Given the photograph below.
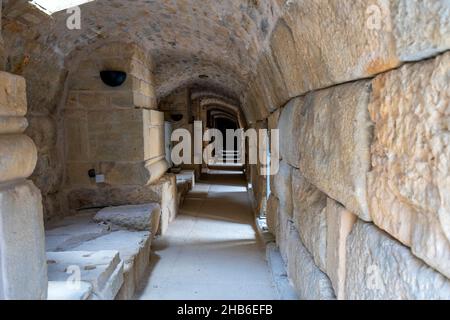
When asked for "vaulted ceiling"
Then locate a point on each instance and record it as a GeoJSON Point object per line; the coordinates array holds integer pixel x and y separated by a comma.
{"type": "Point", "coordinates": [208, 42]}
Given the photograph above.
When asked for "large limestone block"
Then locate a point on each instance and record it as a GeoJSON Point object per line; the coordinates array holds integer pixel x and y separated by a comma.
{"type": "Point", "coordinates": [18, 157]}
{"type": "Point", "coordinates": [340, 223]}
{"type": "Point", "coordinates": [379, 267]}
{"type": "Point", "coordinates": [334, 143]}
{"type": "Point", "coordinates": [138, 217]}
{"type": "Point", "coordinates": [309, 282]}
{"type": "Point", "coordinates": [309, 44]}
{"type": "Point", "coordinates": [22, 246]}
{"type": "Point", "coordinates": [272, 213]}
{"type": "Point", "coordinates": [310, 217]}
{"type": "Point", "coordinates": [282, 187]}
{"type": "Point", "coordinates": [268, 88]}
{"type": "Point", "coordinates": [13, 99]}
{"type": "Point", "coordinates": [409, 185]}
{"type": "Point", "coordinates": [288, 125]}
{"type": "Point", "coordinates": [420, 28]}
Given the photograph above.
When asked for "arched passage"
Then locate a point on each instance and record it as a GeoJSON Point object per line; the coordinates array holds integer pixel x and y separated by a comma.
{"type": "Point", "coordinates": [357, 90]}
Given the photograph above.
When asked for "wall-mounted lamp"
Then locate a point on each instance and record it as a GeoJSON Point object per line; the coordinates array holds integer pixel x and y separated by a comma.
{"type": "Point", "coordinates": [176, 117]}
{"type": "Point", "coordinates": [113, 78]}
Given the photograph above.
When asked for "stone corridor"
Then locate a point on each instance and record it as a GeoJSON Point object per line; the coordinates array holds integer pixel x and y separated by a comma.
{"type": "Point", "coordinates": [213, 250]}
{"type": "Point", "coordinates": [113, 183]}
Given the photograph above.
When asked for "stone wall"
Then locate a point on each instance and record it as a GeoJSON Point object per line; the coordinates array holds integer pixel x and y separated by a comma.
{"type": "Point", "coordinates": [360, 206]}
{"type": "Point", "coordinates": [317, 44]}
{"type": "Point", "coordinates": [115, 131]}
{"type": "Point", "coordinates": [358, 89]}
{"type": "Point", "coordinates": [368, 164]}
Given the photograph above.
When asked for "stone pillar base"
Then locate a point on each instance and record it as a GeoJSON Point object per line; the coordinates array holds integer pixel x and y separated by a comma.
{"type": "Point", "coordinates": [23, 267]}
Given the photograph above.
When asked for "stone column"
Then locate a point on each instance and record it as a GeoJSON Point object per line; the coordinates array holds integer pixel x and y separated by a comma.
{"type": "Point", "coordinates": [23, 268]}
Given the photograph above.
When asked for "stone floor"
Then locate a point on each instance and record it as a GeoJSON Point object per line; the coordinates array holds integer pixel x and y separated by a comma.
{"type": "Point", "coordinates": [212, 250]}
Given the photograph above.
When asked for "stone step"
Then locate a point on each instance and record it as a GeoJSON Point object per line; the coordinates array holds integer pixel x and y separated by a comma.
{"type": "Point", "coordinates": [134, 249]}
{"type": "Point", "coordinates": [68, 273]}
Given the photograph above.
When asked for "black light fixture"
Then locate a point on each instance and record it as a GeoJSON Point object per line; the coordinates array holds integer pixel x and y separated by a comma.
{"type": "Point", "coordinates": [113, 78]}
{"type": "Point", "coordinates": [92, 173]}
{"type": "Point", "coordinates": [176, 117]}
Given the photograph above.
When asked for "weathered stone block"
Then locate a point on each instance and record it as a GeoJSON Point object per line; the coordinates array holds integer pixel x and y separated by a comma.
{"type": "Point", "coordinates": [310, 217]}
{"type": "Point", "coordinates": [334, 143]}
{"type": "Point", "coordinates": [289, 127]}
{"type": "Point", "coordinates": [309, 282]}
{"type": "Point", "coordinates": [339, 225]}
{"type": "Point", "coordinates": [380, 268]}
{"type": "Point", "coordinates": [22, 246]}
{"type": "Point", "coordinates": [420, 28]}
{"type": "Point", "coordinates": [409, 185]}
{"type": "Point", "coordinates": [315, 31]}
{"type": "Point", "coordinates": [139, 217]}
{"type": "Point", "coordinates": [282, 187]}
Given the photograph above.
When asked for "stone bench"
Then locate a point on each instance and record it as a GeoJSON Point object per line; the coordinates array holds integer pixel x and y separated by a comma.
{"type": "Point", "coordinates": [84, 275]}
{"type": "Point", "coordinates": [127, 230]}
